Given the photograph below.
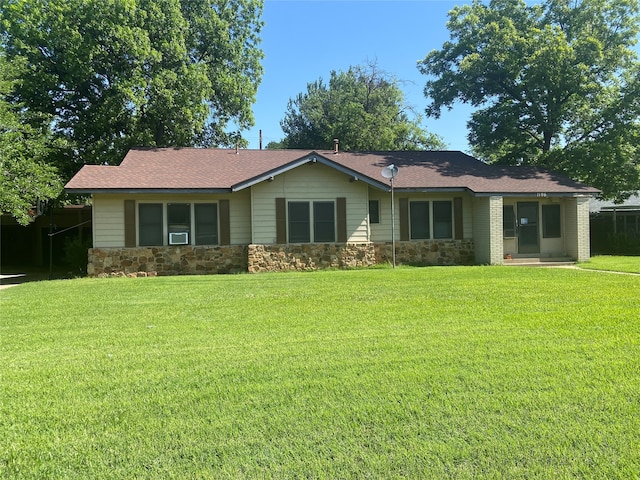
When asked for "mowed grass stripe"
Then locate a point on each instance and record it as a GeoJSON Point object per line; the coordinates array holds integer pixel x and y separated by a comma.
{"type": "Point", "coordinates": [421, 373]}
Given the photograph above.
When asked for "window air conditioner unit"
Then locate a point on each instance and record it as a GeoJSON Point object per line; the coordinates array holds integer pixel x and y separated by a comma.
{"type": "Point", "coordinates": [179, 238]}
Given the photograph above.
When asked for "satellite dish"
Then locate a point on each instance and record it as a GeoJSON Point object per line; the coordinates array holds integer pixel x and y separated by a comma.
{"type": "Point", "coordinates": [390, 172]}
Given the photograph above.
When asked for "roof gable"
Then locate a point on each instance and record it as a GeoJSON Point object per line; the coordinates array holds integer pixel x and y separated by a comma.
{"type": "Point", "coordinates": [221, 170]}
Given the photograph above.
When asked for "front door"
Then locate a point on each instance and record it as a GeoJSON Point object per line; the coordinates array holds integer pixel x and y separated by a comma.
{"type": "Point", "coordinates": [528, 238]}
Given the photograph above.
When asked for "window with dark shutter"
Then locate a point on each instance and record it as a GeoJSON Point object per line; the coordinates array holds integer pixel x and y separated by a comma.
{"type": "Point", "coordinates": [442, 219]}
{"type": "Point", "coordinates": [299, 222]}
{"type": "Point", "coordinates": [508, 221]}
{"type": "Point", "coordinates": [225, 222]}
{"type": "Point", "coordinates": [129, 223]}
{"type": "Point", "coordinates": [179, 223]}
{"type": "Point", "coordinates": [419, 220]}
{"type": "Point", "coordinates": [404, 219]}
{"type": "Point", "coordinates": [206, 223]}
{"type": "Point", "coordinates": [150, 224]}
{"type": "Point", "coordinates": [551, 221]}
{"type": "Point", "coordinates": [281, 220]}
{"type": "Point", "coordinates": [324, 225]}
{"type": "Point", "coordinates": [374, 211]}
{"type": "Point", "coordinates": [341, 213]}
{"type": "Point", "coordinates": [458, 222]}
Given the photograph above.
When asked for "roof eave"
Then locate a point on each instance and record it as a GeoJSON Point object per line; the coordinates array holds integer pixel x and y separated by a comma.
{"type": "Point", "coordinates": [535, 194]}
{"type": "Point", "coordinates": [270, 174]}
{"type": "Point", "coordinates": [312, 157]}
{"type": "Point", "coordinates": [353, 173]}
{"type": "Point", "coordinates": [430, 189]}
{"type": "Point", "coordinates": [129, 191]}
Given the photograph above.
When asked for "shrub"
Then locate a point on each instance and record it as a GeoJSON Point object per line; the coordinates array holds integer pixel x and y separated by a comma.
{"type": "Point", "coordinates": [76, 254]}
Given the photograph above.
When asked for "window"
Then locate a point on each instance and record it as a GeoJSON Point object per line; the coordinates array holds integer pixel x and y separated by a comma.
{"type": "Point", "coordinates": [179, 220]}
{"type": "Point", "coordinates": [150, 224]}
{"type": "Point", "coordinates": [374, 211]}
{"type": "Point", "coordinates": [206, 223]}
{"type": "Point", "coordinates": [151, 217]}
{"type": "Point", "coordinates": [508, 221]}
{"type": "Point", "coordinates": [419, 220]}
{"type": "Point", "coordinates": [442, 220]}
{"type": "Point", "coordinates": [324, 225]}
{"type": "Point", "coordinates": [299, 222]}
{"type": "Point", "coordinates": [551, 221]}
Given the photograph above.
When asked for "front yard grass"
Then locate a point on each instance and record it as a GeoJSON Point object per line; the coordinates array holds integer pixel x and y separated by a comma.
{"type": "Point", "coordinates": [470, 372]}
{"type": "Point", "coordinates": [613, 263]}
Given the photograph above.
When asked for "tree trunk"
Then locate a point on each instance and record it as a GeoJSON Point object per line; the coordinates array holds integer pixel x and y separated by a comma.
{"type": "Point", "coordinates": [547, 142]}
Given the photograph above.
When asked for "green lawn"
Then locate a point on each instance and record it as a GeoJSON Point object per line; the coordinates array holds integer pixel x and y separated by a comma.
{"type": "Point", "coordinates": [454, 372]}
{"type": "Point", "coordinates": [629, 264]}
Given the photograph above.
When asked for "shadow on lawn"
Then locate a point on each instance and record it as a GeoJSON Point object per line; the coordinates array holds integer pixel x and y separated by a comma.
{"type": "Point", "coordinates": [15, 275]}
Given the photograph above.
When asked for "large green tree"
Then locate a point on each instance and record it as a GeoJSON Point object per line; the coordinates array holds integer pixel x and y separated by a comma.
{"type": "Point", "coordinates": [361, 107]}
{"type": "Point", "coordinates": [556, 85]}
{"type": "Point", "coordinates": [25, 177]}
{"type": "Point", "coordinates": [112, 74]}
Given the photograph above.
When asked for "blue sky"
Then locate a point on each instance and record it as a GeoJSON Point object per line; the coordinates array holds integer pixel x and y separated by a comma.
{"type": "Point", "coordinates": [304, 40]}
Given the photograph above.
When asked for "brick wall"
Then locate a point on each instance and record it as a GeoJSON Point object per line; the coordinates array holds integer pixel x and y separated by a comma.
{"type": "Point", "coordinates": [582, 211]}
{"type": "Point", "coordinates": [495, 230]}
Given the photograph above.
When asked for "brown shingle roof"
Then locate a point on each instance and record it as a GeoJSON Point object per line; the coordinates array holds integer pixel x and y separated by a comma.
{"type": "Point", "coordinates": [220, 169]}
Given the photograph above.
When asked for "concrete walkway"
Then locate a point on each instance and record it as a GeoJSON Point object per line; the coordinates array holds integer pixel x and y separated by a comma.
{"type": "Point", "coordinates": [7, 281]}
{"type": "Point", "coordinates": [10, 277]}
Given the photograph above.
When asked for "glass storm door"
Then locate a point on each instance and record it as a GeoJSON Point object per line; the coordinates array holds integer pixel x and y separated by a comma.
{"type": "Point", "coordinates": [528, 237]}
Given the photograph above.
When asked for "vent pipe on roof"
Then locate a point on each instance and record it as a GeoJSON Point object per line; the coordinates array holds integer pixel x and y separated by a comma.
{"type": "Point", "coordinates": [335, 145]}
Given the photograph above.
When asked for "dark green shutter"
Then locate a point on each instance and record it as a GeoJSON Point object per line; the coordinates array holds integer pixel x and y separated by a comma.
{"type": "Point", "coordinates": [225, 222]}
{"type": "Point", "coordinates": [404, 219]}
{"type": "Point", "coordinates": [129, 223]}
{"type": "Point", "coordinates": [457, 218]}
{"type": "Point", "coordinates": [341, 213]}
{"type": "Point", "coordinates": [281, 220]}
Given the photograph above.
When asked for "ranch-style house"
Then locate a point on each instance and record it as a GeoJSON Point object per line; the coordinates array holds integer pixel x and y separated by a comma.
{"type": "Point", "coordinates": [168, 211]}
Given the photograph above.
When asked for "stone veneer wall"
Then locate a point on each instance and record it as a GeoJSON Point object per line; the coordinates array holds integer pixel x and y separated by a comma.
{"type": "Point", "coordinates": [189, 260]}
{"type": "Point", "coordinates": [310, 256]}
{"type": "Point", "coordinates": [428, 252]}
{"type": "Point", "coordinates": [167, 260]}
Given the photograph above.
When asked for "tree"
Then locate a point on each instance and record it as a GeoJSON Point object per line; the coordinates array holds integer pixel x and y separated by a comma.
{"type": "Point", "coordinates": [361, 107]}
{"type": "Point", "coordinates": [120, 73]}
{"type": "Point", "coordinates": [556, 85]}
{"type": "Point", "coordinates": [24, 176]}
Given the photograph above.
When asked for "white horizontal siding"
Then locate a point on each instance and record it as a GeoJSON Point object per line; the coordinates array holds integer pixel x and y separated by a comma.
{"type": "Point", "coordinates": [108, 221]}
{"type": "Point", "coordinates": [467, 216]}
{"type": "Point", "coordinates": [481, 229]}
{"type": "Point", "coordinates": [108, 214]}
{"type": "Point", "coordinates": [381, 232]}
{"type": "Point", "coordinates": [311, 182]}
{"type": "Point", "coordinates": [240, 217]}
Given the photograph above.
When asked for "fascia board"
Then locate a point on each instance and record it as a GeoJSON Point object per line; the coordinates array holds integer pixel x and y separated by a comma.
{"type": "Point", "coordinates": [353, 173]}
{"type": "Point", "coordinates": [430, 190]}
{"type": "Point", "coordinates": [273, 172]}
{"type": "Point", "coordinates": [313, 157]}
{"type": "Point", "coordinates": [133, 191]}
{"type": "Point", "coordinates": [533, 194]}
